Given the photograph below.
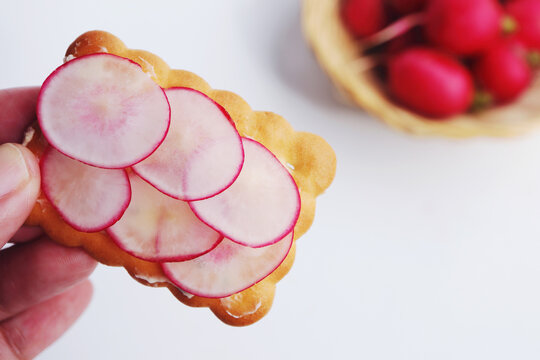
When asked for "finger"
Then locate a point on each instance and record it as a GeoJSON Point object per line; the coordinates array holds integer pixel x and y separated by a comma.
{"type": "Point", "coordinates": [27, 334]}
{"type": "Point", "coordinates": [27, 233]}
{"type": "Point", "coordinates": [36, 271]}
{"type": "Point", "coordinates": [19, 188]}
{"type": "Point", "coordinates": [18, 111]}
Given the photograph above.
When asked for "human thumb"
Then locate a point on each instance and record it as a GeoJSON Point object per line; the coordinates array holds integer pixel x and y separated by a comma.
{"type": "Point", "coordinates": [19, 188]}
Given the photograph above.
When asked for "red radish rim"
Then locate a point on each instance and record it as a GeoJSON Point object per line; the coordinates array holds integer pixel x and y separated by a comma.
{"type": "Point", "coordinates": [75, 226]}
{"type": "Point", "coordinates": [71, 62]}
{"type": "Point", "coordinates": [281, 236]}
{"type": "Point", "coordinates": [186, 257]}
{"type": "Point", "coordinates": [196, 293]}
{"type": "Point", "coordinates": [228, 116]}
{"type": "Point", "coordinates": [156, 258]}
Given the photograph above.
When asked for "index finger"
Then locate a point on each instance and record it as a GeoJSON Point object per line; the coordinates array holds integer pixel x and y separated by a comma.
{"type": "Point", "coordinates": [18, 111]}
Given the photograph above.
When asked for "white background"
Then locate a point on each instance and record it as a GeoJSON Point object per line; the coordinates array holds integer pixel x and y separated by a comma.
{"type": "Point", "coordinates": [423, 248]}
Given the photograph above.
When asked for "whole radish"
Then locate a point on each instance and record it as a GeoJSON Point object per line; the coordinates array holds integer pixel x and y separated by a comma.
{"type": "Point", "coordinates": [430, 82]}
{"type": "Point", "coordinates": [363, 17]}
{"type": "Point", "coordinates": [407, 6]}
{"type": "Point", "coordinates": [527, 15]}
{"type": "Point", "coordinates": [463, 27]}
{"type": "Point", "coordinates": [503, 71]}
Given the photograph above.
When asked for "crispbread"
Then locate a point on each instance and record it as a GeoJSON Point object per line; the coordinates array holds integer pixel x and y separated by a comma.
{"type": "Point", "coordinates": [308, 157]}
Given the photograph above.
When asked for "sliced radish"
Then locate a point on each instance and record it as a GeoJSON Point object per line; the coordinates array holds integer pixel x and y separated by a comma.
{"type": "Point", "coordinates": [260, 207]}
{"type": "Point", "coordinates": [202, 154]}
{"type": "Point", "coordinates": [227, 269]}
{"type": "Point", "coordinates": [103, 110]}
{"type": "Point", "coordinates": [90, 199]}
{"type": "Point", "coordinates": [157, 227]}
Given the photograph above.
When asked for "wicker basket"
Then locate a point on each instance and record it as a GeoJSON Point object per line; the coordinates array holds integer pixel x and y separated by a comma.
{"type": "Point", "coordinates": [342, 58]}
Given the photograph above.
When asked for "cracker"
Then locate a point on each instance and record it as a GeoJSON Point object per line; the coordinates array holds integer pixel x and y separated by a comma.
{"type": "Point", "coordinates": [308, 157]}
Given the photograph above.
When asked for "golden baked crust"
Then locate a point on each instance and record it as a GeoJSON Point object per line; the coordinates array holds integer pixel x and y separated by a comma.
{"type": "Point", "coordinates": [342, 58]}
{"type": "Point", "coordinates": [309, 158]}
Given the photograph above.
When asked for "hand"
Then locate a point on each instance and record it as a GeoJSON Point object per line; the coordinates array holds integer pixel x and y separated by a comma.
{"type": "Point", "coordinates": [43, 286]}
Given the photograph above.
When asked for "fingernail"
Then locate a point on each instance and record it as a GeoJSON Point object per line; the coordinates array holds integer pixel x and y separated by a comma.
{"type": "Point", "coordinates": [13, 169]}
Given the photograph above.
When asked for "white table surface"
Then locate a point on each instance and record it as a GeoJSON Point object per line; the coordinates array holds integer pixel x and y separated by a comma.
{"type": "Point", "coordinates": [423, 248]}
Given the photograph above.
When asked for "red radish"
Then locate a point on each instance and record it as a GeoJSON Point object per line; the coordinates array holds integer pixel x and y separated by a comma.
{"type": "Point", "coordinates": [430, 82]}
{"type": "Point", "coordinates": [89, 199]}
{"type": "Point", "coordinates": [503, 71]}
{"type": "Point", "coordinates": [527, 15]}
{"type": "Point", "coordinates": [363, 17]}
{"type": "Point", "coordinates": [407, 6]}
{"type": "Point", "coordinates": [103, 110]}
{"type": "Point", "coordinates": [260, 207]}
{"type": "Point", "coordinates": [157, 227]}
{"type": "Point", "coordinates": [227, 269]}
{"type": "Point", "coordinates": [202, 154]}
{"type": "Point", "coordinates": [463, 27]}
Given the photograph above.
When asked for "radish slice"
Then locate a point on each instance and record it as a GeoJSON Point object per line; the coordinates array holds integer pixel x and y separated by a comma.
{"type": "Point", "coordinates": [157, 227]}
{"type": "Point", "coordinates": [260, 207]}
{"type": "Point", "coordinates": [227, 269]}
{"type": "Point", "coordinates": [89, 199]}
{"type": "Point", "coordinates": [103, 110]}
{"type": "Point", "coordinates": [202, 154]}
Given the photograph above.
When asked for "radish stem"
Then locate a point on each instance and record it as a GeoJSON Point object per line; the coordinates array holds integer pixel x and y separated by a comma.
{"type": "Point", "coordinates": [394, 30]}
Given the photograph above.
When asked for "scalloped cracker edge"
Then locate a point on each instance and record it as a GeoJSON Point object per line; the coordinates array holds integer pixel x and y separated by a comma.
{"type": "Point", "coordinates": [308, 157]}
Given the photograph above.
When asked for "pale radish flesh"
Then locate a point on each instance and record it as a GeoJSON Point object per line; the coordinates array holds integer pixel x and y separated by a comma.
{"type": "Point", "coordinates": [103, 110]}
{"type": "Point", "coordinates": [202, 154]}
{"type": "Point", "coordinates": [157, 227]}
{"type": "Point", "coordinates": [260, 207]}
{"type": "Point", "coordinates": [88, 198]}
{"type": "Point", "coordinates": [227, 269]}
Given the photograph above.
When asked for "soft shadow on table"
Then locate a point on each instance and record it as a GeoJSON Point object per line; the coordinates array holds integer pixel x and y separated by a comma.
{"type": "Point", "coordinates": [295, 63]}
{"type": "Point", "coordinates": [279, 47]}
